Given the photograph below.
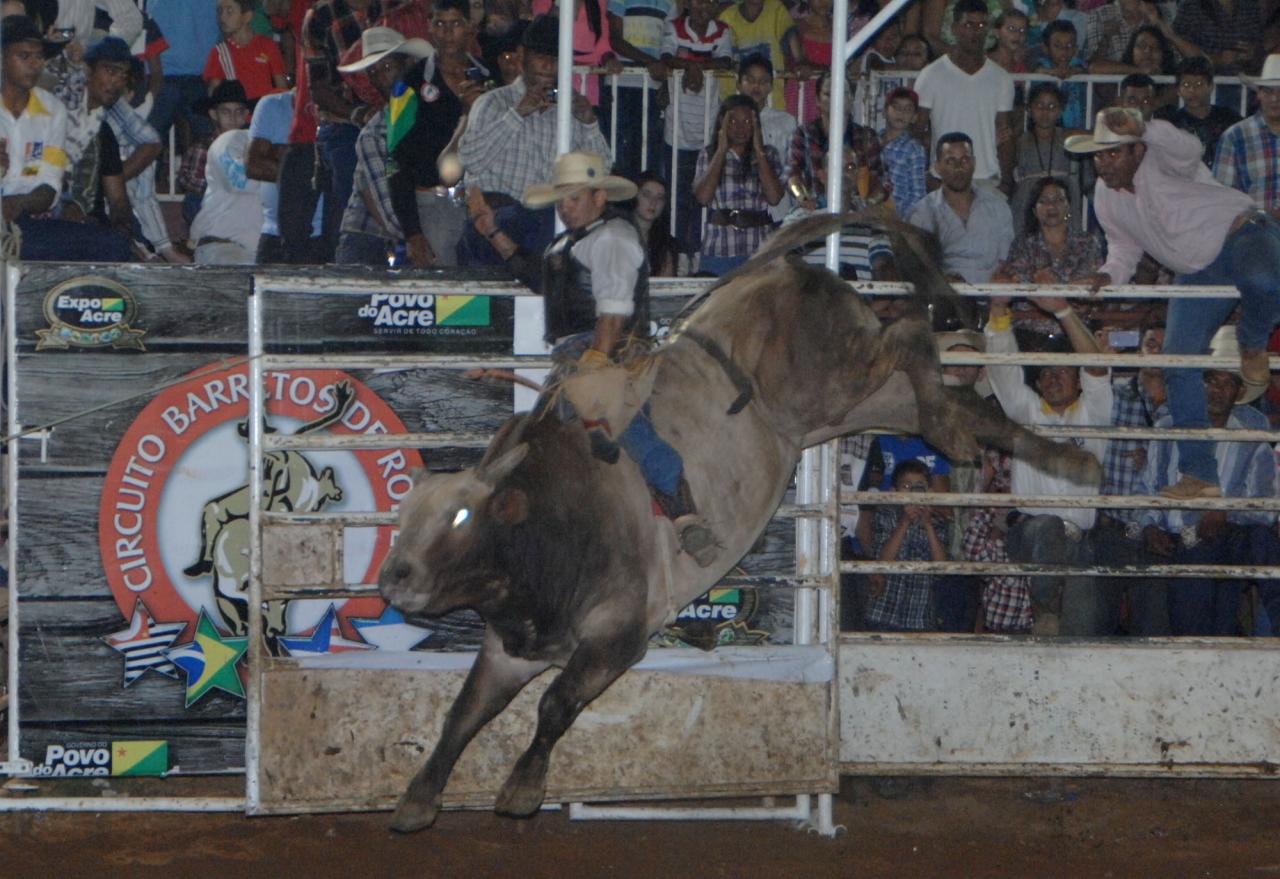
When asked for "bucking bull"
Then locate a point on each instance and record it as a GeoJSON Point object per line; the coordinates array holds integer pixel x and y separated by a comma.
{"type": "Point", "coordinates": [563, 556]}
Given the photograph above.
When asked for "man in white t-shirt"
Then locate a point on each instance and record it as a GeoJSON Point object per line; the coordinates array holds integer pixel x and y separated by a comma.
{"type": "Point", "coordinates": [965, 91]}
{"type": "Point", "coordinates": [1063, 395]}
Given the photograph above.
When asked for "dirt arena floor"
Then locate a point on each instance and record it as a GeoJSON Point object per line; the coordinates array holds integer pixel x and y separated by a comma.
{"type": "Point", "coordinates": [895, 828]}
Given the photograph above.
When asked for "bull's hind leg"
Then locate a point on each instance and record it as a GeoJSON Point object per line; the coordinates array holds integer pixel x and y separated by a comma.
{"type": "Point", "coordinates": [593, 667]}
{"type": "Point", "coordinates": [493, 682]}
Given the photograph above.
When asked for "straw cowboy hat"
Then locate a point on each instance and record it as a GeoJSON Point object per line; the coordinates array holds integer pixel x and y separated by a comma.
{"type": "Point", "coordinates": [576, 171]}
{"type": "Point", "coordinates": [1269, 77]}
{"type": "Point", "coordinates": [1103, 138]}
{"type": "Point", "coordinates": [378, 42]}
{"type": "Point", "coordinates": [1225, 344]}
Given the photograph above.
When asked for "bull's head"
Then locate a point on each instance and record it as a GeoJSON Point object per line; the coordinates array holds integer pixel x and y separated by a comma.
{"type": "Point", "coordinates": [440, 561]}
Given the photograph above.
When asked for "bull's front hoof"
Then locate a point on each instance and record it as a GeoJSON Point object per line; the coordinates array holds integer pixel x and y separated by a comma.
{"type": "Point", "coordinates": [412, 815]}
{"type": "Point", "coordinates": [523, 792]}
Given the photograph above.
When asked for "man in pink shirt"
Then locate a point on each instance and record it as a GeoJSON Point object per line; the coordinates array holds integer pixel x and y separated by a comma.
{"type": "Point", "coordinates": [1157, 196]}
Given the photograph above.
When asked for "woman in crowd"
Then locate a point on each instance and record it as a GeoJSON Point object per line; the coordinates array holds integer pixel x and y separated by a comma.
{"type": "Point", "coordinates": [738, 178]}
{"type": "Point", "coordinates": [653, 216]}
{"type": "Point", "coordinates": [1051, 249]}
{"type": "Point", "coordinates": [1041, 154]}
{"type": "Point", "coordinates": [808, 50]}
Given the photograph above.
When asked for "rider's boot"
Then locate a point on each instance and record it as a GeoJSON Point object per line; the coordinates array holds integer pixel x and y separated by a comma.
{"type": "Point", "coordinates": [696, 538]}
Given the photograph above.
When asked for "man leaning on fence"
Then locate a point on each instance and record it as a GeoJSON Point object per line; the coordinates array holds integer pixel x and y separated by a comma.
{"type": "Point", "coordinates": [1063, 395]}
{"type": "Point", "coordinates": [1157, 196]}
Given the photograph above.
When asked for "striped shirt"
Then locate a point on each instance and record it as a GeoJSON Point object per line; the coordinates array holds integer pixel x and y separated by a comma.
{"type": "Point", "coordinates": [506, 152]}
{"type": "Point", "coordinates": [679, 40]}
{"type": "Point", "coordinates": [860, 248]}
{"type": "Point", "coordinates": [1244, 470]}
{"type": "Point", "coordinates": [130, 127]}
{"type": "Point", "coordinates": [1249, 160]}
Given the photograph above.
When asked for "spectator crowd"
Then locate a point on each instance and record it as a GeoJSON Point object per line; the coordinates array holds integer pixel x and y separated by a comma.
{"type": "Point", "coordinates": [377, 132]}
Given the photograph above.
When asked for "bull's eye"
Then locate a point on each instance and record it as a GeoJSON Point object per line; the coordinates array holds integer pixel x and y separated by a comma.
{"type": "Point", "coordinates": [461, 517]}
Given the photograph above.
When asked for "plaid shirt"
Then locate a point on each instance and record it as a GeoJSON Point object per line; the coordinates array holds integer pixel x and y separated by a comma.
{"type": "Point", "coordinates": [1006, 600]}
{"type": "Point", "coordinates": [1098, 42]}
{"type": "Point", "coordinates": [809, 145]}
{"type": "Point", "coordinates": [191, 171]}
{"type": "Point", "coordinates": [506, 152]}
{"type": "Point", "coordinates": [373, 176]}
{"type": "Point", "coordinates": [905, 165]}
{"type": "Point", "coordinates": [739, 190]}
{"type": "Point", "coordinates": [1249, 160]}
{"type": "Point", "coordinates": [1217, 30]}
{"type": "Point", "coordinates": [907, 598]}
{"type": "Point", "coordinates": [1121, 472]}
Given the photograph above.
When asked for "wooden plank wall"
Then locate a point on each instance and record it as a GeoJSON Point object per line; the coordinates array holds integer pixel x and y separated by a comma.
{"type": "Point", "coordinates": [70, 681]}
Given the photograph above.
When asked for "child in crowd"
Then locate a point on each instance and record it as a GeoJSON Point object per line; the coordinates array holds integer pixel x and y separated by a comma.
{"type": "Point", "coordinates": [252, 59]}
{"type": "Point", "coordinates": [1010, 50]}
{"type": "Point", "coordinates": [1205, 120]}
{"type": "Point", "coordinates": [755, 80]}
{"type": "Point", "coordinates": [905, 162]}
{"type": "Point", "coordinates": [228, 108]}
{"type": "Point", "coordinates": [904, 602]}
{"type": "Point", "coordinates": [1041, 153]}
{"type": "Point", "coordinates": [227, 228]}
{"type": "Point", "coordinates": [758, 27]}
{"type": "Point", "coordinates": [697, 44]}
{"type": "Point", "coordinates": [1060, 41]}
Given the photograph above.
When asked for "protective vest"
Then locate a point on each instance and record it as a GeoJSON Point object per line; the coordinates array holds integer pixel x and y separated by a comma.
{"type": "Point", "coordinates": [568, 305]}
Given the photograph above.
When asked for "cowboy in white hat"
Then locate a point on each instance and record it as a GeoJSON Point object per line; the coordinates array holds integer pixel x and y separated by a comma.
{"type": "Point", "coordinates": [1205, 606]}
{"type": "Point", "coordinates": [594, 282]}
{"type": "Point", "coordinates": [1157, 196]}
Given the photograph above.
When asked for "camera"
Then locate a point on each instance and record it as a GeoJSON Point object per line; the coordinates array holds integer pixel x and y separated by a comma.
{"type": "Point", "coordinates": [476, 74]}
{"type": "Point", "coordinates": [552, 94]}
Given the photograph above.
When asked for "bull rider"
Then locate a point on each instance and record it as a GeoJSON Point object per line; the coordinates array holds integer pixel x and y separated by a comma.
{"type": "Point", "coordinates": [594, 280]}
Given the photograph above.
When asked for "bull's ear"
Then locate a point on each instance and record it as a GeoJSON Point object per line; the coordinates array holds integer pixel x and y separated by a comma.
{"type": "Point", "coordinates": [509, 506]}
{"type": "Point", "coordinates": [492, 472]}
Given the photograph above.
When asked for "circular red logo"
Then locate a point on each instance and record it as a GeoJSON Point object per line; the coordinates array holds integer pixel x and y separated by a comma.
{"type": "Point", "coordinates": [172, 522]}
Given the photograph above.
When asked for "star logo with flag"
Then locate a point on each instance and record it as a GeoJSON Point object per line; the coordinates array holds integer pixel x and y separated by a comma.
{"type": "Point", "coordinates": [325, 637]}
{"type": "Point", "coordinates": [389, 631]}
{"type": "Point", "coordinates": [209, 661]}
{"type": "Point", "coordinates": [144, 643]}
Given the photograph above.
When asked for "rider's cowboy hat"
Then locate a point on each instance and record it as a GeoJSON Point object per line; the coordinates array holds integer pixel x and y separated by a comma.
{"type": "Point", "coordinates": [1270, 76]}
{"type": "Point", "coordinates": [574, 172]}
{"type": "Point", "coordinates": [378, 42]}
{"type": "Point", "coordinates": [1103, 138]}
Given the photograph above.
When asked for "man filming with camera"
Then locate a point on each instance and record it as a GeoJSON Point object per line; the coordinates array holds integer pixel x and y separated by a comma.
{"type": "Point", "coordinates": [510, 145]}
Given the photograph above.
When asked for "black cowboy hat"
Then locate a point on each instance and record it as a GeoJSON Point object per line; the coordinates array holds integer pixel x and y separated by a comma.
{"type": "Point", "coordinates": [19, 29]}
{"type": "Point", "coordinates": [542, 35]}
{"type": "Point", "coordinates": [229, 91]}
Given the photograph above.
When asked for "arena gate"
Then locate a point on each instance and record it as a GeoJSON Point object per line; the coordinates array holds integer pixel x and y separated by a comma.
{"type": "Point", "coordinates": [145, 393]}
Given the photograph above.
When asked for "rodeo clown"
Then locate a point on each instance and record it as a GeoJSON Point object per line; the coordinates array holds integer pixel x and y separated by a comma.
{"type": "Point", "coordinates": [594, 280]}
